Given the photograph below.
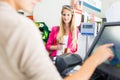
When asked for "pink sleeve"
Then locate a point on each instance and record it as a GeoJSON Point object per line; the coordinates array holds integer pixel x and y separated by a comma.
{"type": "Point", "coordinates": [52, 37]}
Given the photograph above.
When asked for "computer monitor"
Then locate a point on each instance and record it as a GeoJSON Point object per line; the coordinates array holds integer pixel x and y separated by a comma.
{"type": "Point", "coordinates": [109, 33]}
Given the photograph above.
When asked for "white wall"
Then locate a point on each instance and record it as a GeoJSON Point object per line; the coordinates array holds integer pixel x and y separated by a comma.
{"type": "Point", "coordinates": [49, 11]}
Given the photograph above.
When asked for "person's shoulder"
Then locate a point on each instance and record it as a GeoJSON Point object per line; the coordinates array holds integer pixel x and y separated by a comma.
{"type": "Point", "coordinates": [28, 24]}
{"type": "Point", "coordinates": [55, 28]}
{"type": "Point", "coordinates": [26, 21]}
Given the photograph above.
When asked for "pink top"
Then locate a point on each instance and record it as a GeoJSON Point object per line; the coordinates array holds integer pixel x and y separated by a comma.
{"type": "Point", "coordinates": [52, 41]}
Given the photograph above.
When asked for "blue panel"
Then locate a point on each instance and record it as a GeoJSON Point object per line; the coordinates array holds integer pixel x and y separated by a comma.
{"type": "Point", "coordinates": [88, 34]}
{"type": "Point", "coordinates": [91, 7]}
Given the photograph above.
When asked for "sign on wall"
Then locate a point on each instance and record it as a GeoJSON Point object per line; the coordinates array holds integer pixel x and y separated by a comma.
{"type": "Point", "coordinates": [93, 4]}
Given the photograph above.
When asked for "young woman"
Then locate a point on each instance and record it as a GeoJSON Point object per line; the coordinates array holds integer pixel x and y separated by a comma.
{"type": "Point", "coordinates": [63, 38]}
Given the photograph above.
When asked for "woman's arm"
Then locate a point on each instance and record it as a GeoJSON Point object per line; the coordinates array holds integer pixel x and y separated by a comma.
{"type": "Point", "coordinates": [52, 42]}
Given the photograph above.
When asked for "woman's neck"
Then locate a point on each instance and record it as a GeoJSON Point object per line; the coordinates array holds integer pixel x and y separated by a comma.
{"type": "Point", "coordinates": [66, 29]}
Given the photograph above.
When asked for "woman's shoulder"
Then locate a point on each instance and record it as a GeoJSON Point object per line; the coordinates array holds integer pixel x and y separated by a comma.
{"type": "Point", "coordinates": [55, 28]}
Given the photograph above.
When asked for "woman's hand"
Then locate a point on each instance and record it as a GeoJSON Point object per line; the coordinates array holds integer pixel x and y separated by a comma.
{"type": "Point", "coordinates": [67, 50]}
{"type": "Point", "coordinates": [59, 46]}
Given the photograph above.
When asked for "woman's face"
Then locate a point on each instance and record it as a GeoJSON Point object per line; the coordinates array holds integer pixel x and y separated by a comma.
{"type": "Point", "coordinates": [26, 5]}
{"type": "Point", "coordinates": [66, 16]}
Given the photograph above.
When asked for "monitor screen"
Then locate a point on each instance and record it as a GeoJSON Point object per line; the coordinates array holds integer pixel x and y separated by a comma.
{"type": "Point", "coordinates": [109, 33]}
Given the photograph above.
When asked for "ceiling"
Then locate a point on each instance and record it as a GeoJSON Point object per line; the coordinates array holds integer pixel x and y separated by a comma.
{"type": "Point", "coordinates": [105, 5]}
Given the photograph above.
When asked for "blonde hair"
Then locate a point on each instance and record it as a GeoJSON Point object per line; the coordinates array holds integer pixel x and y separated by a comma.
{"type": "Point", "coordinates": [73, 28]}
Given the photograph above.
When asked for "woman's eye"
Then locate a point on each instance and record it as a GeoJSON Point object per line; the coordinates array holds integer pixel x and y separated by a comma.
{"type": "Point", "coordinates": [63, 14]}
{"type": "Point", "coordinates": [66, 14]}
